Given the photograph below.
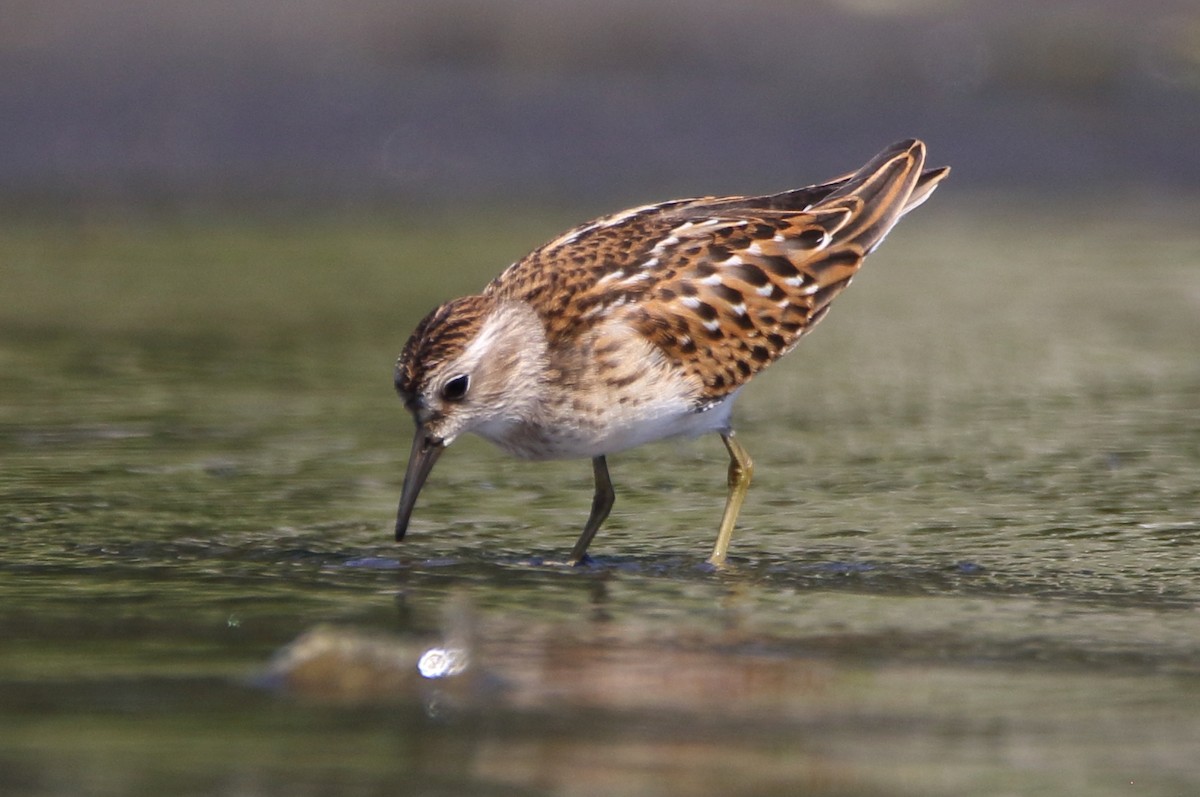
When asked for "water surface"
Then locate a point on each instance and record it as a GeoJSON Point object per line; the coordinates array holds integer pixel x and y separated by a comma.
{"type": "Point", "coordinates": [968, 563]}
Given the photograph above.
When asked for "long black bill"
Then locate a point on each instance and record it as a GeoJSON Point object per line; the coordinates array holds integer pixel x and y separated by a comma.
{"type": "Point", "coordinates": [425, 452]}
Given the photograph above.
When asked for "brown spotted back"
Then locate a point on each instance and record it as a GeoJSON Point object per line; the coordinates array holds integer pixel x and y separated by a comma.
{"type": "Point", "coordinates": [723, 287]}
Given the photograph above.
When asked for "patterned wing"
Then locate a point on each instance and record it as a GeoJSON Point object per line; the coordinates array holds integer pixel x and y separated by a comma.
{"type": "Point", "coordinates": [748, 279]}
{"type": "Point", "coordinates": [575, 281]}
{"type": "Point", "coordinates": [722, 286]}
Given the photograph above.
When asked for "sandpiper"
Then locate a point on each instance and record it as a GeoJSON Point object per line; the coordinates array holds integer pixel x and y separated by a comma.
{"type": "Point", "coordinates": [645, 324]}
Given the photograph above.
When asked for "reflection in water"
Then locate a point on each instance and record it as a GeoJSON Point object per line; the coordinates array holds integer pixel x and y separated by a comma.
{"type": "Point", "coordinates": [584, 709]}
{"type": "Point", "coordinates": [605, 707]}
{"type": "Point", "coordinates": [967, 566]}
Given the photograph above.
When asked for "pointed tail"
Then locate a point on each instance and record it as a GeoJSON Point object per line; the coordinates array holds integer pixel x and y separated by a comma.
{"type": "Point", "coordinates": [876, 196]}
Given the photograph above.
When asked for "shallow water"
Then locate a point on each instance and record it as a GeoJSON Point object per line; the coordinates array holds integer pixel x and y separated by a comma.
{"type": "Point", "coordinates": [968, 563]}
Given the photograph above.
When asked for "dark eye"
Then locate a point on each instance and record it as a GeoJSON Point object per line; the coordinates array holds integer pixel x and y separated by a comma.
{"type": "Point", "coordinates": [456, 388]}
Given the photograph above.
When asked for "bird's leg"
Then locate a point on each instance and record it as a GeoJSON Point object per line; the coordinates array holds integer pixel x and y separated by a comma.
{"type": "Point", "coordinates": [741, 468]}
{"type": "Point", "coordinates": [601, 503]}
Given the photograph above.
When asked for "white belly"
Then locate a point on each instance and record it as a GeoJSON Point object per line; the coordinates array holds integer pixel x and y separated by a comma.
{"type": "Point", "coordinates": [619, 432]}
{"type": "Point", "coordinates": [629, 397]}
{"type": "Point", "coordinates": [654, 426]}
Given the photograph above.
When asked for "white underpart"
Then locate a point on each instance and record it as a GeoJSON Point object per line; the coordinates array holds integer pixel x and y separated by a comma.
{"type": "Point", "coordinates": [651, 423]}
{"type": "Point", "coordinates": [662, 406]}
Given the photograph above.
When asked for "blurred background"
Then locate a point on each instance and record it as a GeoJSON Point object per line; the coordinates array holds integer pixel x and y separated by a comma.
{"type": "Point", "coordinates": [968, 561]}
{"type": "Point", "coordinates": [173, 104]}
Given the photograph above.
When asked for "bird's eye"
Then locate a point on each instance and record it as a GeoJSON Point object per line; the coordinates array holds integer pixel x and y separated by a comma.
{"type": "Point", "coordinates": [456, 388]}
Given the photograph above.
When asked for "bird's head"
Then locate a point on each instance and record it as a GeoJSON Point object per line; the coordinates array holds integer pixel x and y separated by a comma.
{"type": "Point", "coordinates": [468, 364]}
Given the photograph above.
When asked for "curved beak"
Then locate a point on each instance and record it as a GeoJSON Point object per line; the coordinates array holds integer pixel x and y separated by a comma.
{"type": "Point", "coordinates": [425, 452]}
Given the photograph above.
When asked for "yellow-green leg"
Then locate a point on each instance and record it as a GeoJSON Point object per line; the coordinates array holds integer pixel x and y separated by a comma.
{"type": "Point", "coordinates": [741, 468]}
{"type": "Point", "coordinates": [602, 502]}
